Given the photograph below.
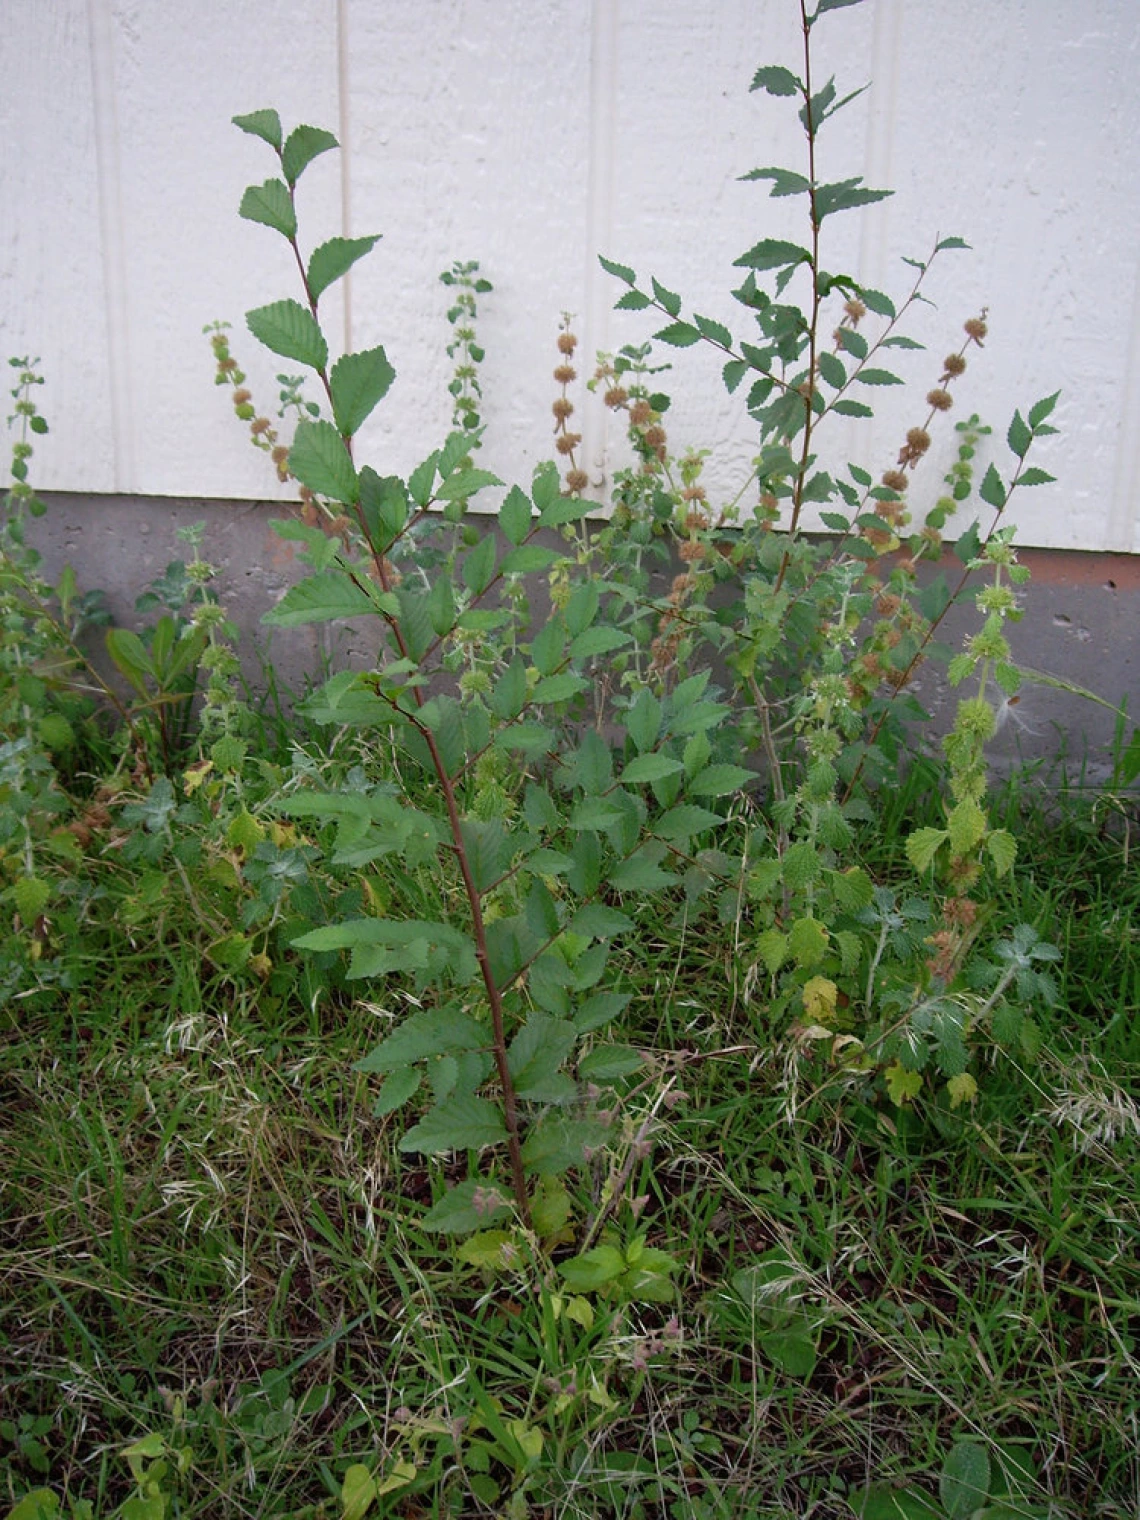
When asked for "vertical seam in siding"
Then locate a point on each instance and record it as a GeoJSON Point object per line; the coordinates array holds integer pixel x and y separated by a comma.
{"type": "Point", "coordinates": [599, 217]}
{"type": "Point", "coordinates": [112, 241]}
{"type": "Point", "coordinates": [1122, 531]}
{"type": "Point", "coordinates": [344, 132]}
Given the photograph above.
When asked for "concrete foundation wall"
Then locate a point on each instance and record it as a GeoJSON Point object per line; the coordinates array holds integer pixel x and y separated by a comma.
{"type": "Point", "coordinates": [1081, 625]}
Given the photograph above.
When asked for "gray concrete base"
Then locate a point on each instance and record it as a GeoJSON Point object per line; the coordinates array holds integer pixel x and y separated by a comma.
{"type": "Point", "coordinates": [1081, 626]}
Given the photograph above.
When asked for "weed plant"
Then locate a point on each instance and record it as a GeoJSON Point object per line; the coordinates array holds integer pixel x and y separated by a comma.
{"type": "Point", "coordinates": [577, 1068]}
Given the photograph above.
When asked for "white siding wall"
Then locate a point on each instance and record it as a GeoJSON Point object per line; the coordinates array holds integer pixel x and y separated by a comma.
{"type": "Point", "coordinates": [532, 134]}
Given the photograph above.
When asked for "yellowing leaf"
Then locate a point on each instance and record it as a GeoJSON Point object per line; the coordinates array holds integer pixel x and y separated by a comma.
{"type": "Point", "coordinates": [962, 1089]}
{"type": "Point", "coordinates": [401, 1475]}
{"type": "Point", "coordinates": [902, 1085]}
{"type": "Point", "coordinates": [820, 995]}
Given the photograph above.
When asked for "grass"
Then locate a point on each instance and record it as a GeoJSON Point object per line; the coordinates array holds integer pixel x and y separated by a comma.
{"type": "Point", "coordinates": [209, 1240]}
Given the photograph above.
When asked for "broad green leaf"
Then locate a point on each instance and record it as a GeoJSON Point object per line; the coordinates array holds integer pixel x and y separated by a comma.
{"type": "Point", "coordinates": [848, 408]}
{"type": "Point", "coordinates": [131, 658]}
{"type": "Point", "coordinates": [1019, 436]}
{"type": "Point", "coordinates": [877, 377]}
{"type": "Point", "coordinates": [801, 865]}
{"type": "Point", "coordinates": [323, 598]}
{"type": "Point", "coordinates": [487, 848]}
{"type": "Point", "coordinates": [640, 873]}
{"type": "Point", "coordinates": [902, 1085]}
{"type": "Point", "coordinates": [831, 370]}
{"type": "Point", "coordinates": [845, 196]}
{"type": "Point", "coordinates": [609, 1063]}
{"type": "Point", "coordinates": [264, 124]}
{"type": "Point", "coordinates": [291, 331]}
{"type": "Point", "coordinates": [478, 568]}
{"type": "Point", "coordinates": [358, 383]}
{"type": "Point", "coordinates": [601, 1008]}
{"type": "Point", "coordinates": [876, 301]}
{"type": "Point", "coordinates": [320, 461]}
{"type": "Point", "coordinates": [1042, 409]}
{"type": "Point", "coordinates": [509, 695]}
{"type": "Point", "coordinates": [528, 559]}
{"type": "Point", "coordinates": [720, 780]}
{"type": "Point", "coordinates": [966, 826]}
{"type": "Point", "coordinates": [633, 300]}
{"type": "Point", "coordinates": [593, 1269]}
{"type": "Point", "coordinates": [807, 942]}
{"type": "Point", "coordinates": [301, 146]}
{"type": "Point", "coordinates": [650, 767]}
{"type": "Point", "coordinates": [465, 483]}
{"type": "Point", "coordinates": [1035, 477]}
{"type": "Point", "coordinates": [515, 515]}
{"type": "Point", "coordinates": [271, 205]}
{"type": "Point", "coordinates": [559, 688]}
{"type": "Point", "coordinates": [396, 1090]}
{"type": "Point", "coordinates": [596, 921]}
{"type": "Point", "coordinates": [716, 332]}
{"type": "Point", "coordinates": [991, 490]}
{"type": "Point", "coordinates": [683, 821]}
{"type": "Point", "coordinates": [964, 1482]}
{"type": "Point", "coordinates": [461, 1122]}
{"type": "Point", "coordinates": [881, 1502]}
{"type": "Point", "coordinates": [775, 80]}
{"type": "Point", "coordinates": [597, 640]}
{"type": "Point", "coordinates": [678, 335]}
{"type": "Point", "coordinates": [922, 846]}
{"type": "Point", "coordinates": [556, 1143]}
{"type": "Point", "coordinates": [469, 1206]}
{"type": "Point", "coordinates": [620, 271]}
{"type": "Point", "coordinates": [772, 253]}
{"type": "Point", "coordinates": [643, 721]}
{"type": "Point", "coordinates": [334, 258]}
{"type": "Point", "coordinates": [537, 1052]}
{"type": "Point", "coordinates": [792, 1351]}
{"type": "Point", "coordinates": [669, 299]}
{"type": "Point", "coordinates": [784, 182]}
{"type": "Point", "coordinates": [1003, 850]}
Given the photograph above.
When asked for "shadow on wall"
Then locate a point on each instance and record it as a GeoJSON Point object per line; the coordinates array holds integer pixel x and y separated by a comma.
{"type": "Point", "coordinates": [1080, 632]}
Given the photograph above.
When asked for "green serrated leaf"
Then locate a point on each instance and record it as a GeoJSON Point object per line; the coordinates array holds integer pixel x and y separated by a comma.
{"type": "Point", "coordinates": [515, 515]}
{"type": "Point", "coordinates": [1035, 477]}
{"type": "Point", "coordinates": [669, 299]}
{"type": "Point", "coordinates": [966, 826]}
{"type": "Point", "coordinates": [1042, 409]}
{"type": "Point", "coordinates": [991, 490]}
{"type": "Point", "coordinates": [271, 205]}
{"type": "Point", "coordinates": [461, 1122]}
{"type": "Point", "coordinates": [470, 1206]}
{"type": "Point", "coordinates": [291, 331]}
{"type": "Point", "coordinates": [716, 332]}
{"type": "Point", "coordinates": [773, 253]}
{"type": "Point", "coordinates": [303, 145]}
{"type": "Point", "coordinates": [964, 1483]}
{"type": "Point", "coordinates": [320, 461]}
{"type": "Point", "coordinates": [877, 377]}
{"type": "Point", "coordinates": [720, 780]}
{"type": "Point", "coordinates": [335, 258]}
{"type": "Point", "coordinates": [264, 124]}
{"type": "Point", "coordinates": [775, 80]}
{"type": "Point", "coordinates": [358, 383]}
{"type": "Point", "coordinates": [1019, 436]}
{"type": "Point", "coordinates": [620, 271]}
{"type": "Point", "coordinates": [1003, 850]}
{"type": "Point", "coordinates": [465, 483]}
{"type": "Point", "coordinates": [650, 767]}
{"type": "Point", "coordinates": [772, 947]}
{"type": "Point", "coordinates": [325, 598]}
{"type": "Point", "coordinates": [678, 335]}
{"type": "Point", "coordinates": [923, 845]}
{"type": "Point", "coordinates": [831, 370]}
